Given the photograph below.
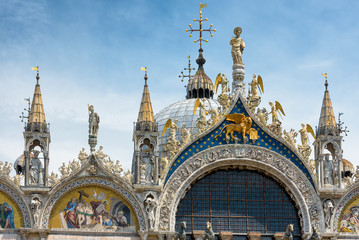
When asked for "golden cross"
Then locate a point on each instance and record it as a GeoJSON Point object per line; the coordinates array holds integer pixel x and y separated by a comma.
{"type": "Point", "coordinates": [189, 70]}
{"type": "Point", "coordinates": [200, 30]}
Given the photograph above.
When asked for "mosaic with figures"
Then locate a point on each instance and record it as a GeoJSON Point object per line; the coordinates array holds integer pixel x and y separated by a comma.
{"type": "Point", "coordinates": [350, 217]}
{"type": "Point", "coordinates": [92, 207]}
{"type": "Point", "coordinates": [10, 216]}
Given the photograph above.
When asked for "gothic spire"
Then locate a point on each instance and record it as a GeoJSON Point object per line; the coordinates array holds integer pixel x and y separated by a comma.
{"type": "Point", "coordinates": [327, 123]}
{"type": "Point", "coordinates": [146, 112]}
{"type": "Point", "coordinates": [37, 120]}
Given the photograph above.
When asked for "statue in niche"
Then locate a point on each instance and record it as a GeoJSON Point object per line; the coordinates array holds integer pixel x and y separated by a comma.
{"type": "Point", "coordinates": [328, 170]}
{"type": "Point", "coordinates": [148, 161]}
{"type": "Point", "coordinates": [94, 120]}
{"type": "Point", "coordinates": [36, 169]}
{"type": "Point", "coordinates": [150, 210]}
{"type": "Point", "coordinates": [35, 209]}
{"type": "Point", "coordinates": [328, 207]}
{"type": "Point", "coordinates": [238, 46]}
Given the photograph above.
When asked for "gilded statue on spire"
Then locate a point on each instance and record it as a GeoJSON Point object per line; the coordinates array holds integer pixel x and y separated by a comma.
{"type": "Point", "coordinates": [238, 46]}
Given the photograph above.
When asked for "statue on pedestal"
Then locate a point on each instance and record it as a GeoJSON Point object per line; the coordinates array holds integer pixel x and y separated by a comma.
{"type": "Point", "coordinates": [237, 47]}
{"type": "Point", "coordinates": [94, 121]}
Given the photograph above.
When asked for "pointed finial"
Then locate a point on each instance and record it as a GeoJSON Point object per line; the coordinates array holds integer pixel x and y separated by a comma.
{"type": "Point", "coordinates": [200, 30]}
{"type": "Point", "coordinates": [37, 76]}
{"type": "Point", "coordinates": [326, 81]}
{"type": "Point", "coordinates": [145, 70]}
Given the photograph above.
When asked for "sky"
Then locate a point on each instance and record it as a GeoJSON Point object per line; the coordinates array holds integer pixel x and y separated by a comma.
{"type": "Point", "coordinates": [90, 52]}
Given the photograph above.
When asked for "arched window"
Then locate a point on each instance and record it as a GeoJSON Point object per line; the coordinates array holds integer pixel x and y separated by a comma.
{"type": "Point", "coordinates": [240, 201]}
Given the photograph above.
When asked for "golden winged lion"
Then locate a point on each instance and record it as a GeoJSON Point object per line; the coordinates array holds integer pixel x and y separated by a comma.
{"type": "Point", "coordinates": [242, 124]}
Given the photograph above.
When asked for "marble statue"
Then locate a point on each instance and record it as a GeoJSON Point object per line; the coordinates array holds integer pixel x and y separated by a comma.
{"type": "Point", "coordinates": [150, 207]}
{"type": "Point", "coordinates": [74, 166]}
{"type": "Point", "coordinates": [262, 115]}
{"type": "Point", "coordinates": [117, 168]}
{"type": "Point", "coordinates": [94, 120]}
{"type": "Point", "coordinates": [238, 46]}
{"type": "Point", "coordinates": [6, 169]}
{"type": "Point", "coordinates": [83, 156]}
{"type": "Point", "coordinates": [186, 134]}
{"type": "Point", "coordinates": [215, 115]}
{"type": "Point", "coordinates": [35, 169]}
{"type": "Point", "coordinates": [17, 179]}
{"type": "Point", "coordinates": [164, 164]}
{"type": "Point", "coordinates": [53, 179]}
{"type": "Point", "coordinates": [100, 154]}
{"type": "Point", "coordinates": [290, 137]}
{"type": "Point", "coordinates": [64, 170]}
{"type": "Point", "coordinates": [147, 164]}
{"type": "Point", "coordinates": [128, 176]}
{"type": "Point", "coordinates": [35, 206]}
{"type": "Point", "coordinates": [172, 142]}
{"type": "Point", "coordinates": [328, 170]}
{"type": "Point", "coordinates": [328, 207]}
{"type": "Point", "coordinates": [143, 172]}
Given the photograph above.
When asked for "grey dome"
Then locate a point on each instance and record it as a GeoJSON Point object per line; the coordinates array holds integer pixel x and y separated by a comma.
{"type": "Point", "coordinates": [183, 112]}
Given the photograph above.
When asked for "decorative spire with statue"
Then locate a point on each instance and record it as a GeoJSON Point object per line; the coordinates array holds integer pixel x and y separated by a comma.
{"type": "Point", "coordinates": [238, 45]}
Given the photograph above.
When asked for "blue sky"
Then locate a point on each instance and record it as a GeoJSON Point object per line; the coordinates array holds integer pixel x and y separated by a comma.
{"type": "Point", "coordinates": [90, 52]}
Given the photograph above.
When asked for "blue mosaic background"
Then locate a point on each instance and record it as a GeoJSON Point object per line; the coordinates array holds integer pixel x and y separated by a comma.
{"type": "Point", "coordinates": [264, 140]}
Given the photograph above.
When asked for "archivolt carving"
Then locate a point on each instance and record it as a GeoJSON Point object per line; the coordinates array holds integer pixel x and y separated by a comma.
{"type": "Point", "coordinates": [246, 155]}
{"type": "Point", "coordinates": [98, 181]}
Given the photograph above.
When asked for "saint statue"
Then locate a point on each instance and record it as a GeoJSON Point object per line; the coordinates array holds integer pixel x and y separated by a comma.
{"type": "Point", "coordinates": [148, 160]}
{"type": "Point", "coordinates": [237, 47]}
{"type": "Point", "coordinates": [94, 121]}
{"type": "Point", "coordinates": [328, 170]}
{"type": "Point", "coordinates": [35, 169]}
{"type": "Point", "coordinates": [150, 209]}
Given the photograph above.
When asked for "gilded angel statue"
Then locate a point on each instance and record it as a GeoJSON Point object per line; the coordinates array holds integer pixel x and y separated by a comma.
{"type": "Point", "coordinates": [256, 84]}
{"type": "Point", "coordinates": [304, 134]}
{"type": "Point", "coordinates": [275, 108]}
{"type": "Point", "coordinates": [221, 79]}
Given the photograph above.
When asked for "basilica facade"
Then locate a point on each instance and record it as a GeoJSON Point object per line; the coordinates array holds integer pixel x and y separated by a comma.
{"type": "Point", "coordinates": [204, 167]}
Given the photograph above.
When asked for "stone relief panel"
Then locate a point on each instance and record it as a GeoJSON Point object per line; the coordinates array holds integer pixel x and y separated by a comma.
{"type": "Point", "coordinates": [93, 204]}
{"type": "Point", "coordinates": [259, 158]}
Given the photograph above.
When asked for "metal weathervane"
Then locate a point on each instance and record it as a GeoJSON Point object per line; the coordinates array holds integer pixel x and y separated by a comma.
{"type": "Point", "coordinates": [200, 30]}
{"type": "Point", "coordinates": [189, 76]}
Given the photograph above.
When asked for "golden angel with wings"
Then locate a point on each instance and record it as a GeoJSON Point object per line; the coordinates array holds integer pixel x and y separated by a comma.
{"type": "Point", "coordinates": [256, 84]}
{"type": "Point", "coordinates": [221, 79]}
{"type": "Point", "coordinates": [275, 108]}
{"type": "Point", "coordinates": [304, 134]}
